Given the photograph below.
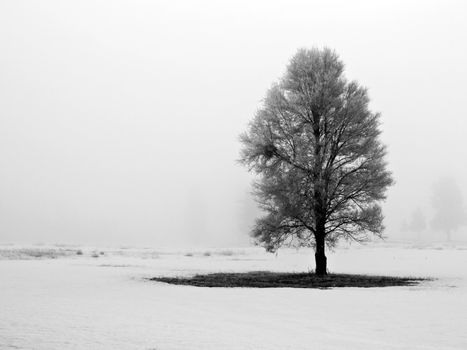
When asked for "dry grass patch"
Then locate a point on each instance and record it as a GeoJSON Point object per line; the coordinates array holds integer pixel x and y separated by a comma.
{"type": "Point", "coordinates": [266, 279]}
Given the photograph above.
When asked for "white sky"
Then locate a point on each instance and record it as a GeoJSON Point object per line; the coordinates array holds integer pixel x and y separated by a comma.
{"type": "Point", "coordinates": [119, 120]}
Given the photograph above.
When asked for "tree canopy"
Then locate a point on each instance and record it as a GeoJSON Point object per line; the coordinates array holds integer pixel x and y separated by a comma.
{"type": "Point", "coordinates": [315, 147]}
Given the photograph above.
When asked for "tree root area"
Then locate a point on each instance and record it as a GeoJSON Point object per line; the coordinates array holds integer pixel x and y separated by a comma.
{"type": "Point", "coordinates": [267, 279]}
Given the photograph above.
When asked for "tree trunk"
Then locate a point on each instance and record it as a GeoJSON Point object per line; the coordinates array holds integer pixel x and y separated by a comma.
{"type": "Point", "coordinates": [320, 256]}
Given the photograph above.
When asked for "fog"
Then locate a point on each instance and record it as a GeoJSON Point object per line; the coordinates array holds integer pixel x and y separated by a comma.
{"type": "Point", "coordinates": [119, 120]}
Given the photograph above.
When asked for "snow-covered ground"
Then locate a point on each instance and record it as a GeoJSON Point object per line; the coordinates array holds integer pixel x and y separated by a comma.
{"type": "Point", "coordinates": [57, 298]}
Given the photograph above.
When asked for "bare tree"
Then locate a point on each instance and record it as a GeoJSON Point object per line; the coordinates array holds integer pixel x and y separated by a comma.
{"type": "Point", "coordinates": [315, 146]}
{"type": "Point", "coordinates": [449, 207]}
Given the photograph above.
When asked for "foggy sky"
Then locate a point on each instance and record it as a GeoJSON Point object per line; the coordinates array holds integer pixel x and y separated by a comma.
{"type": "Point", "coordinates": [119, 120]}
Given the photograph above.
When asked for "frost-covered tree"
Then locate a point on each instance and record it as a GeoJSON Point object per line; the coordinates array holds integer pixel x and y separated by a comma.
{"type": "Point", "coordinates": [315, 145]}
{"type": "Point", "coordinates": [449, 207]}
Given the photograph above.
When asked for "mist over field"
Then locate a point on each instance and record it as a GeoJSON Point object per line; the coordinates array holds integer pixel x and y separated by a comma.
{"type": "Point", "coordinates": [119, 120]}
{"type": "Point", "coordinates": [127, 132]}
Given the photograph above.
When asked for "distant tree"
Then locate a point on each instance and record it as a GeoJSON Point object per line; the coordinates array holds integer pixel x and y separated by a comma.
{"type": "Point", "coordinates": [449, 207]}
{"type": "Point", "coordinates": [404, 225]}
{"type": "Point", "coordinates": [315, 146]}
{"type": "Point", "coordinates": [195, 214]}
{"type": "Point", "coordinates": [417, 222]}
{"type": "Point", "coordinates": [247, 211]}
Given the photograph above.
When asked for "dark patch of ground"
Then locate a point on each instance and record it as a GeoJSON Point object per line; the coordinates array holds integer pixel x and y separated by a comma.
{"type": "Point", "coordinates": [266, 279]}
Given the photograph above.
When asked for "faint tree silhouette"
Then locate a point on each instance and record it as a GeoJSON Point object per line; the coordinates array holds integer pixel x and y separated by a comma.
{"type": "Point", "coordinates": [404, 225]}
{"type": "Point", "coordinates": [247, 211]}
{"type": "Point", "coordinates": [417, 222]}
{"type": "Point", "coordinates": [448, 205]}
